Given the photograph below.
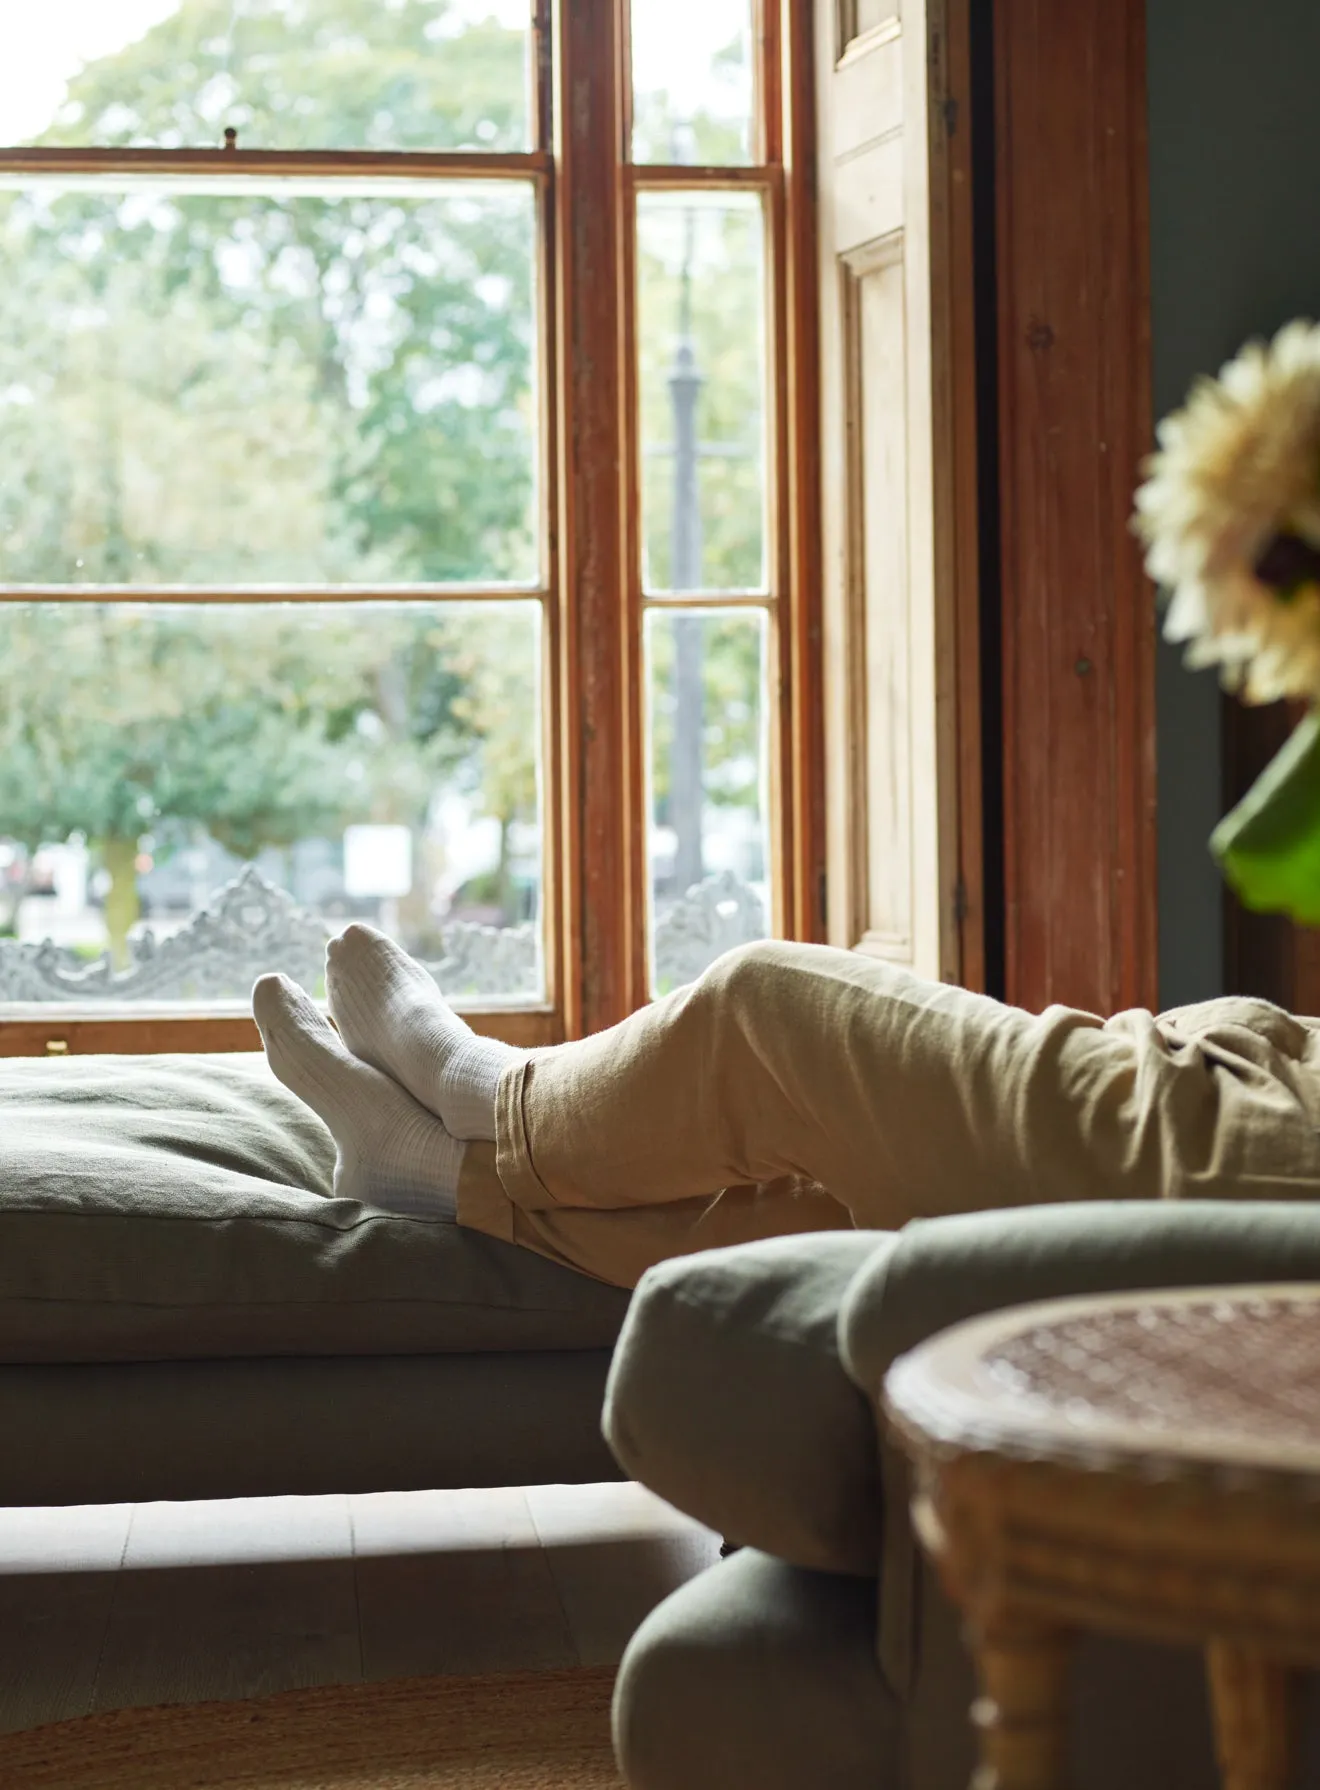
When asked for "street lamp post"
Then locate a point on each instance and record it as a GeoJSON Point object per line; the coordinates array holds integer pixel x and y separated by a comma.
{"type": "Point", "coordinates": [685, 574]}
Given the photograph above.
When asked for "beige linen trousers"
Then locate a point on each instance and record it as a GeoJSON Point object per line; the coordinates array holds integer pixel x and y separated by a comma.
{"type": "Point", "coordinates": [798, 1088]}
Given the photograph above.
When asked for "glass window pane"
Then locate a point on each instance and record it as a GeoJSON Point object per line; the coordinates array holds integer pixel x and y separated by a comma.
{"type": "Point", "coordinates": [708, 719]}
{"type": "Point", "coordinates": [285, 74]}
{"type": "Point", "coordinates": [192, 794]}
{"type": "Point", "coordinates": [694, 85]}
{"type": "Point", "coordinates": [222, 389]}
{"type": "Point", "coordinates": [702, 378]}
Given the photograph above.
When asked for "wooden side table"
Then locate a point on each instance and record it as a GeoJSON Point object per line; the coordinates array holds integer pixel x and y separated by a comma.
{"type": "Point", "coordinates": [1147, 1465]}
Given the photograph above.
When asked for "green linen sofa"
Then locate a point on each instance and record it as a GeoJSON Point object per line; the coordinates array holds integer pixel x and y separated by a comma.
{"type": "Point", "coordinates": [824, 1655]}
{"type": "Point", "coordinates": [187, 1312]}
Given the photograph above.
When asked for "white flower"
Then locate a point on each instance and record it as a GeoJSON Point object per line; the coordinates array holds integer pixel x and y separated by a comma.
{"type": "Point", "coordinates": [1237, 468]}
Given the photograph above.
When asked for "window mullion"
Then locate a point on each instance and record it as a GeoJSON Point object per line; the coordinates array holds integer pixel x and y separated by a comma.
{"type": "Point", "coordinates": [794, 133]}
{"type": "Point", "coordinates": [603, 904]}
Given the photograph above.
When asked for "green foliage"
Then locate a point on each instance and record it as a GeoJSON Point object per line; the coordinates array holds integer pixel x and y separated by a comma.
{"type": "Point", "coordinates": [228, 387]}
{"type": "Point", "coordinates": [264, 723]}
{"type": "Point", "coordinates": [307, 74]}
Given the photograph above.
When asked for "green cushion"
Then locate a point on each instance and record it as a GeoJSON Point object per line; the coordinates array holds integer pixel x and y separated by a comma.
{"type": "Point", "coordinates": [946, 1269]}
{"type": "Point", "coordinates": [179, 1207]}
{"type": "Point", "coordinates": [727, 1397]}
{"type": "Point", "coordinates": [757, 1676]}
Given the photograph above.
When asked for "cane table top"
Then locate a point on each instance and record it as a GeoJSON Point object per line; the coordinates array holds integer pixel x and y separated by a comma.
{"type": "Point", "coordinates": [1221, 1382]}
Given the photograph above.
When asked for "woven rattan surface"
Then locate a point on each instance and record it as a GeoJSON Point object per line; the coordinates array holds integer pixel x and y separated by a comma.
{"type": "Point", "coordinates": [1229, 1378]}
{"type": "Point", "coordinates": [1145, 1465]}
{"type": "Point", "coordinates": [1249, 1366]}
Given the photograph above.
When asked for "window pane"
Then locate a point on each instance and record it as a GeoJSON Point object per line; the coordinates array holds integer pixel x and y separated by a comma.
{"type": "Point", "coordinates": [285, 74]}
{"type": "Point", "coordinates": [192, 794]}
{"type": "Point", "coordinates": [702, 351]}
{"type": "Point", "coordinates": [219, 389]}
{"type": "Point", "coordinates": [694, 92]}
{"type": "Point", "coordinates": [710, 839]}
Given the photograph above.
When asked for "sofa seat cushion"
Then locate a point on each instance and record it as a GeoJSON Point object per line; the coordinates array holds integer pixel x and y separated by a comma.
{"type": "Point", "coordinates": [180, 1207]}
{"type": "Point", "coordinates": [727, 1397]}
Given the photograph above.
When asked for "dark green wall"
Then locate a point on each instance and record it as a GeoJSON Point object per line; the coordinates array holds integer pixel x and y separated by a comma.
{"type": "Point", "coordinates": [1235, 251]}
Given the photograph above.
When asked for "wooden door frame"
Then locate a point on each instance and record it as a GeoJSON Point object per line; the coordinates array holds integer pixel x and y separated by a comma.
{"type": "Point", "coordinates": [906, 193]}
{"type": "Point", "coordinates": [1077, 615]}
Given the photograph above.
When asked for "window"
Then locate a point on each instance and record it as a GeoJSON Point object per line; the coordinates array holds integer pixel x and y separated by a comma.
{"type": "Point", "coordinates": [400, 513]}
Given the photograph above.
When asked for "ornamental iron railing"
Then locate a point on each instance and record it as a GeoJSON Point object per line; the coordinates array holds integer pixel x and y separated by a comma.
{"type": "Point", "coordinates": [250, 927]}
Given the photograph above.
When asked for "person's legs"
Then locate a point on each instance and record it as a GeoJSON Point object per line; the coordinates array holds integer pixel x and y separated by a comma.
{"type": "Point", "coordinates": [792, 1087]}
{"type": "Point", "coordinates": [784, 1071]}
{"type": "Point", "coordinates": [395, 1153]}
{"type": "Point", "coordinates": [618, 1244]}
{"type": "Point", "coordinates": [392, 1016]}
{"type": "Point", "coordinates": [390, 1151]}
{"type": "Point", "coordinates": [903, 1098]}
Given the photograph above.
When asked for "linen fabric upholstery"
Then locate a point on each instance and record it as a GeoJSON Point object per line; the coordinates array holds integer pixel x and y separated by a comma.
{"type": "Point", "coordinates": [180, 1207]}
{"type": "Point", "coordinates": [822, 1088]}
{"type": "Point", "coordinates": [727, 1397]}
{"type": "Point", "coordinates": [129, 1431]}
{"type": "Point", "coordinates": [943, 1270]}
{"type": "Point", "coordinates": [758, 1676]}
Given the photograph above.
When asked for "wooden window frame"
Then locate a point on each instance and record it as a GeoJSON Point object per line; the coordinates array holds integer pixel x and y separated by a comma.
{"type": "Point", "coordinates": [595, 890]}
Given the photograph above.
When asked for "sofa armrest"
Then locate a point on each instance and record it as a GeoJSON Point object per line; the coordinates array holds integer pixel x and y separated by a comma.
{"type": "Point", "coordinates": [945, 1269]}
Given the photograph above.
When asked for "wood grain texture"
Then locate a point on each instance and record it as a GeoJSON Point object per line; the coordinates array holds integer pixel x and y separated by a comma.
{"type": "Point", "coordinates": [57, 1581]}
{"type": "Point", "coordinates": [614, 1553]}
{"type": "Point", "coordinates": [226, 164]}
{"type": "Point", "coordinates": [1078, 615]}
{"type": "Point", "coordinates": [234, 1599]}
{"type": "Point", "coordinates": [449, 1584]}
{"type": "Point", "coordinates": [958, 478]}
{"type": "Point", "coordinates": [804, 784]}
{"type": "Point", "coordinates": [599, 663]}
{"type": "Point", "coordinates": [899, 474]}
{"type": "Point", "coordinates": [61, 1031]}
{"type": "Point", "coordinates": [1255, 1713]}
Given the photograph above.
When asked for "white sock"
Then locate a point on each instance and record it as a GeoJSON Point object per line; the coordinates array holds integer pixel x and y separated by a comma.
{"type": "Point", "coordinates": [390, 1152]}
{"type": "Point", "coordinates": [391, 1014]}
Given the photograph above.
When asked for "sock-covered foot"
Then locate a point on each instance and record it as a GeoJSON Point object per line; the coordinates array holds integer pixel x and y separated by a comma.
{"type": "Point", "coordinates": [390, 1152]}
{"type": "Point", "coordinates": [391, 1014]}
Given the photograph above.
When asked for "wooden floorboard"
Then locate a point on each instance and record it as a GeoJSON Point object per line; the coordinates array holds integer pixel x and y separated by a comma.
{"type": "Point", "coordinates": [455, 1582]}
{"type": "Point", "coordinates": [614, 1553]}
{"type": "Point", "coordinates": [58, 1570]}
{"type": "Point", "coordinates": [234, 1599]}
{"type": "Point", "coordinates": [111, 1606]}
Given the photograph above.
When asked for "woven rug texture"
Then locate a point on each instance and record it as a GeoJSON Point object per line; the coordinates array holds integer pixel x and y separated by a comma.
{"type": "Point", "coordinates": [523, 1731]}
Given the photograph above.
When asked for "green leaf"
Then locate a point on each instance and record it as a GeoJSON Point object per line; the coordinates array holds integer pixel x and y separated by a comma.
{"type": "Point", "coordinates": [1269, 845]}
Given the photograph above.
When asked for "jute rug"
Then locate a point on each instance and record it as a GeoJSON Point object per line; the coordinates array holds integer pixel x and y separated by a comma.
{"type": "Point", "coordinates": [526, 1731]}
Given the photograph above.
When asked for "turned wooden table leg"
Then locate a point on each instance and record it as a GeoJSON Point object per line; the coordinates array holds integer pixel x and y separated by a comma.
{"type": "Point", "coordinates": [1253, 1712]}
{"type": "Point", "coordinates": [1022, 1712]}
